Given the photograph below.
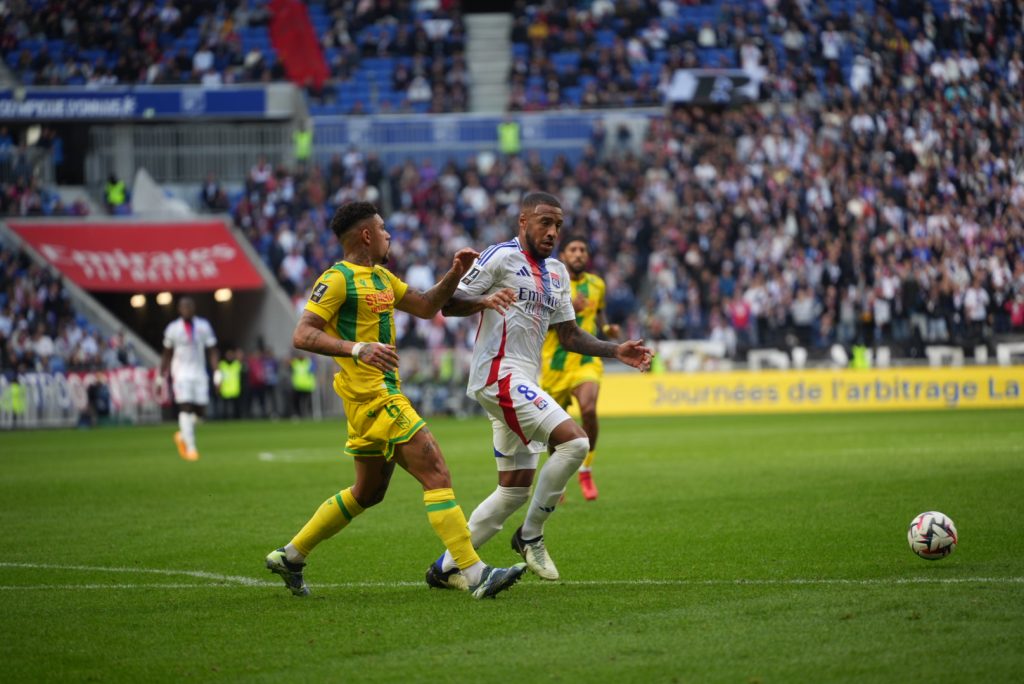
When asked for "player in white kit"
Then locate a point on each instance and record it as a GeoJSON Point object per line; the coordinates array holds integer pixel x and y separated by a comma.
{"type": "Point", "coordinates": [535, 294]}
{"type": "Point", "coordinates": [189, 343]}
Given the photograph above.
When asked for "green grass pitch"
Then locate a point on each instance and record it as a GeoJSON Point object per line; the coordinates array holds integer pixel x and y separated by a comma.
{"type": "Point", "coordinates": [723, 549]}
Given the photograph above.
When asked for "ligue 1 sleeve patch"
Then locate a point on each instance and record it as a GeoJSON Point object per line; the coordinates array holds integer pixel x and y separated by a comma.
{"type": "Point", "coordinates": [318, 292]}
{"type": "Point", "coordinates": [471, 276]}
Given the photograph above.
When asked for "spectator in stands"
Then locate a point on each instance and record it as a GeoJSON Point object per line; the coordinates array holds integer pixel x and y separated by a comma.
{"type": "Point", "coordinates": [880, 202]}
{"type": "Point", "coordinates": [38, 327]}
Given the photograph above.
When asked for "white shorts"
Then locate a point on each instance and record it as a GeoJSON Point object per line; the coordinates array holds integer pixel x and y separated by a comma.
{"type": "Point", "coordinates": [191, 389]}
{"type": "Point", "coordinates": [522, 419]}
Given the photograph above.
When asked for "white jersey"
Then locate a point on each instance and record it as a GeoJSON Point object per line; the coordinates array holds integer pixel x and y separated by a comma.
{"type": "Point", "coordinates": [513, 342]}
{"type": "Point", "coordinates": [189, 342]}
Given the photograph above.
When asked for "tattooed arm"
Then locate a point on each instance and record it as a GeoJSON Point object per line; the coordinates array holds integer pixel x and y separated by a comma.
{"type": "Point", "coordinates": [309, 336]}
{"type": "Point", "coordinates": [462, 304]}
{"type": "Point", "coordinates": [575, 339]}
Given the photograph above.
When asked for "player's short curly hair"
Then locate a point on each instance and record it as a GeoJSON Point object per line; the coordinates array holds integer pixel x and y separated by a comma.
{"type": "Point", "coordinates": [574, 237]}
{"type": "Point", "coordinates": [535, 199]}
{"type": "Point", "coordinates": [351, 214]}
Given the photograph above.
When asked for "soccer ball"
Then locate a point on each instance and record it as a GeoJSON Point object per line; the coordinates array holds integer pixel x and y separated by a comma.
{"type": "Point", "coordinates": [932, 535]}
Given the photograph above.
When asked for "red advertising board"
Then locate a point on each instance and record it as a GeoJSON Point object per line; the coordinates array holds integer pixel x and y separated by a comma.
{"type": "Point", "coordinates": [184, 256]}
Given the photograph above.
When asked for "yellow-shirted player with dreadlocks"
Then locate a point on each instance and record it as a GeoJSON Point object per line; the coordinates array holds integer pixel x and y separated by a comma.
{"type": "Point", "coordinates": [565, 374]}
{"type": "Point", "coordinates": [350, 316]}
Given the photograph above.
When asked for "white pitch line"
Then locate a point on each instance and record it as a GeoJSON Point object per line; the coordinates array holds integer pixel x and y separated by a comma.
{"type": "Point", "coordinates": [221, 581]}
{"type": "Point", "coordinates": [199, 574]}
{"type": "Point", "coordinates": [119, 587]}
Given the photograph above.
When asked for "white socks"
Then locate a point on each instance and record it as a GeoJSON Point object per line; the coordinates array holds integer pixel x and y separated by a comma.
{"type": "Point", "coordinates": [474, 572]}
{"type": "Point", "coordinates": [187, 425]}
{"type": "Point", "coordinates": [488, 518]}
{"type": "Point", "coordinates": [551, 481]}
{"type": "Point", "coordinates": [293, 555]}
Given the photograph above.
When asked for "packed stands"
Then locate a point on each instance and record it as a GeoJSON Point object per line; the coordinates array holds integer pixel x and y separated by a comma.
{"type": "Point", "coordinates": [39, 329]}
{"type": "Point", "coordinates": [875, 208]}
{"type": "Point", "coordinates": [878, 196]}
{"type": "Point", "coordinates": [382, 56]}
{"type": "Point", "coordinates": [603, 54]}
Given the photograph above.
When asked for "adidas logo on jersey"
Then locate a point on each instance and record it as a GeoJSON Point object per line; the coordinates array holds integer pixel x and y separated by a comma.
{"type": "Point", "coordinates": [523, 272]}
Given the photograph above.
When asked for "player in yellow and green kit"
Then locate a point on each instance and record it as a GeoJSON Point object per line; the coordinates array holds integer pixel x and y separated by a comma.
{"type": "Point", "coordinates": [565, 374]}
{"type": "Point", "coordinates": [350, 316]}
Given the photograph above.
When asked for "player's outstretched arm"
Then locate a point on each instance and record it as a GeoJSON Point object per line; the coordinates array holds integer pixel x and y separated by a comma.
{"type": "Point", "coordinates": [462, 304]}
{"type": "Point", "coordinates": [573, 338]}
{"type": "Point", "coordinates": [427, 304]}
{"type": "Point", "coordinates": [309, 336]}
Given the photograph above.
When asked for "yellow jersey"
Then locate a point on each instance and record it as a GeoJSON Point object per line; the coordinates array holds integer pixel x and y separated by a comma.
{"type": "Point", "coordinates": [554, 356]}
{"type": "Point", "coordinates": [358, 303]}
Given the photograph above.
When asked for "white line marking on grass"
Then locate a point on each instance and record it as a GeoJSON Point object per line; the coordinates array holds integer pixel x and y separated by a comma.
{"type": "Point", "coordinates": [222, 581]}
{"type": "Point", "coordinates": [199, 574]}
{"type": "Point", "coordinates": [119, 587]}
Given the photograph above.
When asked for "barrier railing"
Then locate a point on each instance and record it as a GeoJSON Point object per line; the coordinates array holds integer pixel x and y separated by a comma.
{"type": "Point", "coordinates": [435, 382]}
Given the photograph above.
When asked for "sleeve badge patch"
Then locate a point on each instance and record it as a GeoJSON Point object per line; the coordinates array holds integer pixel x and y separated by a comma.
{"type": "Point", "coordinates": [318, 292]}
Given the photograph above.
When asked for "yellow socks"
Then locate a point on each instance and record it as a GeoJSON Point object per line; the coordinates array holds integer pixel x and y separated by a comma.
{"type": "Point", "coordinates": [331, 518]}
{"type": "Point", "coordinates": [588, 460]}
{"type": "Point", "coordinates": [444, 513]}
{"type": "Point", "coordinates": [449, 522]}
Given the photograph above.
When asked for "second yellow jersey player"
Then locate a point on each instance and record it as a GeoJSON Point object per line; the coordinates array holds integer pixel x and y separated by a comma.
{"type": "Point", "coordinates": [566, 375]}
{"type": "Point", "coordinates": [562, 370]}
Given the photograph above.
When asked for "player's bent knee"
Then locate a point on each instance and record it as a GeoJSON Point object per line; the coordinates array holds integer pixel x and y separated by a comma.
{"type": "Point", "coordinates": [574, 449]}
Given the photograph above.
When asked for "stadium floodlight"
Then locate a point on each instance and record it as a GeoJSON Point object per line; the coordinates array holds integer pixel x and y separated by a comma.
{"type": "Point", "coordinates": [224, 294]}
{"type": "Point", "coordinates": [138, 301]}
{"type": "Point", "coordinates": [164, 298]}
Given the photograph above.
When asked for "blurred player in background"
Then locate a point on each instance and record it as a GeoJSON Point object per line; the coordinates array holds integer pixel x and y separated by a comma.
{"type": "Point", "coordinates": [534, 291]}
{"type": "Point", "coordinates": [350, 316]}
{"type": "Point", "coordinates": [564, 374]}
{"type": "Point", "coordinates": [189, 344]}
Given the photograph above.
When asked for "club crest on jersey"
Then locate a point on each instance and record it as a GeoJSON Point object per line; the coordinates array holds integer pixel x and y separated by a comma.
{"type": "Point", "coordinates": [540, 403]}
{"type": "Point", "coordinates": [318, 292]}
{"type": "Point", "coordinates": [556, 282]}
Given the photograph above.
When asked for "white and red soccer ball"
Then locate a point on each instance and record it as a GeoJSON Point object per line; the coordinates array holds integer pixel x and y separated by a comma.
{"type": "Point", "coordinates": [932, 535]}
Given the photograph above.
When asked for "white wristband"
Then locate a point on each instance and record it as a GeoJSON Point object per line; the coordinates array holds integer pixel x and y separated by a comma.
{"type": "Point", "coordinates": [356, 348]}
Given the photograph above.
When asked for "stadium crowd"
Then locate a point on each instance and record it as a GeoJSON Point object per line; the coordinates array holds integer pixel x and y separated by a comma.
{"type": "Point", "coordinates": [604, 54]}
{"type": "Point", "coordinates": [382, 56]}
{"type": "Point", "coordinates": [887, 208]}
{"type": "Point", "coordinates": [877, 197]}
{"type": "Point", "coordinates": [40, 330]}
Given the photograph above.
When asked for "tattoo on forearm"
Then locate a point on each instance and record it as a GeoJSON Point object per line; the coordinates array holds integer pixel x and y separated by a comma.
{"type": "Point", "coordinates": [575, 339]}
{"type": "Point", "coordinates": [442, 290]}
{"type": "Point", "coordinates": [314, 340]}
